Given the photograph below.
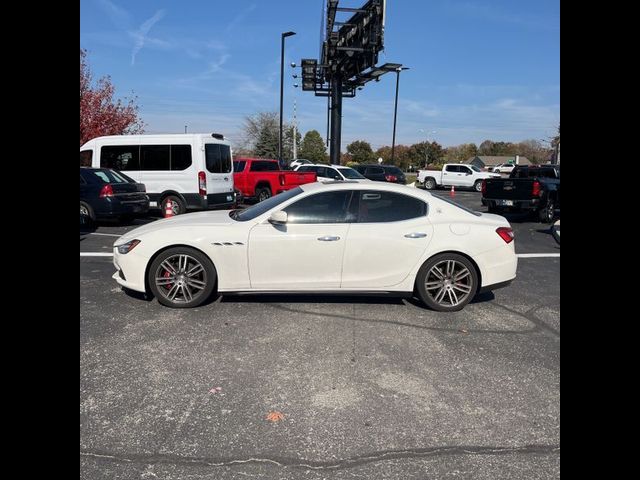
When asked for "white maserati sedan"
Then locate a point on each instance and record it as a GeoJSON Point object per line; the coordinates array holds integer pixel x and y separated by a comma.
{"type": "Point", "coordinates": [337, 237]}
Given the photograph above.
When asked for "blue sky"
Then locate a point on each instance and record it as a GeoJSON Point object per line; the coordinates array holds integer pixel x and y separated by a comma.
{"type": "Point", "coordinates": [479, 70]}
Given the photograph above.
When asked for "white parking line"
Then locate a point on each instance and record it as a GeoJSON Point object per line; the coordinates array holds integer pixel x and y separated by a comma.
{"type": "Point", "coordinates": [520, 255]}
{"type": "Point", "coordinates": [103, 234]}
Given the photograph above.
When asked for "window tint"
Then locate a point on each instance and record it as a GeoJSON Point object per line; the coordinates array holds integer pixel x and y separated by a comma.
{"type": "Point", "coordinates": [380, 206]}
{"type": "Point", "coordinates": [85, 158]}
{"type": "Point", "coordinates": [108, 176]}
{"type": "Point", "coordinates": [238, 165]}
{"type": "Point", "coordinates": [264, 166]}
{"type": "Point", "coordinates": [126, 157]}
{"type": "Point", "coordinates": [218, 158]}
{"type": "Point", "coordinates": [321, 172]}
{"type": "Point", "coordinates": [305, 169]}
{"type": "Point", "coordinates": [327, 207]}
{"type": "Point", "coordinates": [464, 170]}
{"type": "Point", "coordinates": [180, 157]}
{"type": "Point", "coordinates": [394, 171]}
{"type": "Point", "coordinates": [332, 173]}
{"type": "Point", "coordinates": [154, 157]}
{"type": "Point", "coordinates": [375, 170]}
{"type": "Point", "coordinates": [453, 168]}
{"type": "Point", "coordinates": [350, 173]}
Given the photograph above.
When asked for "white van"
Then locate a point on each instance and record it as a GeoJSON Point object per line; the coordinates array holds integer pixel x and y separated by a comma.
{"type": "Point", "coordinates": [191, 170]}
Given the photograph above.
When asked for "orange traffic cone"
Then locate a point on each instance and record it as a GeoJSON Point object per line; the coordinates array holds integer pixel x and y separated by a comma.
{"type": "Point", "coordinates": [452, 193]}
{"type": "Point", "coordinates": [168, 211]}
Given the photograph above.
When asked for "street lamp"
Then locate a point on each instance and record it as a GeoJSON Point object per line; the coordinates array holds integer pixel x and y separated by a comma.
{"type": "Point", "coordinates": [395, 112]}
{"type": "Point", "coordinates": [284, 35]}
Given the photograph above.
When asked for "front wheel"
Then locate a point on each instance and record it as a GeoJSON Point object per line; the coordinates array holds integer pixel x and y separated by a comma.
{"type": "Point", "coordinates": [447, 282]}
{"type": "Point", "coordinates": [478, 186]}
{"type": "Point", "coordinates": [182, 277]}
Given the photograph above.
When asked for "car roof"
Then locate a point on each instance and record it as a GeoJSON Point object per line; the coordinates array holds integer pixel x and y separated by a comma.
{"type": "Point", "coordinates": [365, 185]}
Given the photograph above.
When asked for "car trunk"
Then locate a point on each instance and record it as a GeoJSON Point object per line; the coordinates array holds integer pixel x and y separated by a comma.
{"type": "Point", "coordinates": [509, 188]}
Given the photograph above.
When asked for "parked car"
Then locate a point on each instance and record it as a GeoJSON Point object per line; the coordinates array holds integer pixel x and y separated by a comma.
{"type": "Point", "coordinates": [326, 173]}
{"type": "Point", "coordinates": [298, 162]}
{"type": "Point", "coordinates": [382, 173]}
{"type": "Point", "coordinates": [259, 179]}
{"type": "Point", "coordinates": [535, 188]}
{"type": "Point", "coordinates": [454, 174]}
{"type": "Point", "coordinates": [504, 168]}
{"type": "Point", "coordinates": [106, 193]}
{"type": "Point", "coordinates": [190, 171]}
{"type": "Point", "coordinates": [342, 237]}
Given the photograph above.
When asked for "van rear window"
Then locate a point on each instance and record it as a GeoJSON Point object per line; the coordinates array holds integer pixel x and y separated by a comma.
{"type": "Point", "coordinates": [218, 158]}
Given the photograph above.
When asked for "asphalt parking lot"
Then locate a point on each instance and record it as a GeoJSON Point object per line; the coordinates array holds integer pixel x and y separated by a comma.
{"type": "Point", "coordinates": [319, 387]}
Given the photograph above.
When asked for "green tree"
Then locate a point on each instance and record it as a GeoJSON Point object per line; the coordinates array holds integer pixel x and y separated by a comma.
{"type": "Point", "coordinates": [313, 147]}
{"type": "Point", "coordinates": [460, 153]}
{"type": "Point", "coordinates": [361, 151]}
{"type": "Point", "coordinates": [426, 152]}
{"type": "Point", "coordinates": [267, 144]}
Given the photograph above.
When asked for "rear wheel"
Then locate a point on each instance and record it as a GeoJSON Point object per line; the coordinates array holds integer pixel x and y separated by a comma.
{"type": "Point", "coordinates": [429, 184]}
{"type": "Point", "coordinates": [547, 214]}
{"type": "Point", "coordinates": [182, 277]}
{"type": "Point", "coordinates": [447, 282]}
{"type": "Point", "coordinates": [262, 193]}
{"type": "Point", "coordinates": [478, 186]}
{"type": "Point", "coordinates": [87, 212]}
{"type": "Point", "coordinates": [177, 205]}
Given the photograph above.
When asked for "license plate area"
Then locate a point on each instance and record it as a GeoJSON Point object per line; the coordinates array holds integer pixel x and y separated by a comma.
{"type": "Point", "coordinates": [505, 203]}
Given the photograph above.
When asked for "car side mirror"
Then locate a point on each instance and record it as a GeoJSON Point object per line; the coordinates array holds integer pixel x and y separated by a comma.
{"type": "Point", "coordinates": [278, 218]}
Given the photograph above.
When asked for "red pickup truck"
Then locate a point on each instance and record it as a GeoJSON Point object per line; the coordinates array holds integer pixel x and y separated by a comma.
{"type": "Point", "coordinates": [259, 178]}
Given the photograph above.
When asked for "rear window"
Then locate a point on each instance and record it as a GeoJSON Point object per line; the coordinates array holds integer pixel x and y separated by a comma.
{"type": "Point", "coordinates": [107, 176]}
{"type": "Point", "coordinates": [350, 174]}
{"type": "Point", "coordinates": [238, 165]}
{"type": "Point", "coordinates": [264, 166]}
{"type": "Point", "coordinates": [394, 170]}
{"type": "Point", "coordinates": [218, 158]}
{"type": "Point", "coordinates": [375, 170]}
{"type": "Point", "coordinates": [534, 172]}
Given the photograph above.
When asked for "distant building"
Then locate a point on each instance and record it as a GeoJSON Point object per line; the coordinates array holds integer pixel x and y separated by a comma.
{"type": "Point", "coordinates": [483, 161]}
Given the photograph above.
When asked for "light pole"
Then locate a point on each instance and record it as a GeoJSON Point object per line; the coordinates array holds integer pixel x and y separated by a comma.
{"type": "Point", "coordinates": [395, 112]}
{"type": "Point", "coordinates": [284, 35]}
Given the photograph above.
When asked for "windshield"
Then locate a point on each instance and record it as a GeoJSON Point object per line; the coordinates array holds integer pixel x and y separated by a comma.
{"type": "Point", "coordinates": [264, 206]}
{"type": "Point", "coordinates": [475, 168]}
{"type": "Point", "coordinates": [351, 174]}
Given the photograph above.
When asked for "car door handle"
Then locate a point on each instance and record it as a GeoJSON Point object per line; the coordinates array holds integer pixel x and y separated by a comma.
{"type": "Point", "coordinates": [328, 238]}
{"type": "Point", "coordinates": [416, 235]}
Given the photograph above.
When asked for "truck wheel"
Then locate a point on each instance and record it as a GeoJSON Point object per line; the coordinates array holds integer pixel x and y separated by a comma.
{"type": "Point", "coordinates": [429, 184]}
{"type": "Point", "coordinates": [547, 213]}
{"type": "Point", "coordinates": [478, 186]}
{"type": "Point", "coordinates": [177, 205]}
{"type": "Point", "coordinates": [263, 193]}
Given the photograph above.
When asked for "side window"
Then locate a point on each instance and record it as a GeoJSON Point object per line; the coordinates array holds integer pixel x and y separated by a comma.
{"type": "Point", "coordinates": [375, 170]}
{"type": "Point", "coordinates": [453, 168]}
{"type": "Point", "coordinates": [238, 166]}
{"type": "Point", "coordinates": [180, 157]}
{"type": "Point", "coordinates": [85, 158]}
{"type": "Point", "coordinates": [327, 207]}
{"type": "Point", "coordinates": [321, 172]}
{"type": "Point", "coordinates": [218, 158]}
{"type": "Point", "coordinates": [465, 170]}
{"type": "Point", "coordinates": [155, 157]}
{"type": "Point", "coordinates": [380, 206]}
{"type": "Point", "coordinates": [125, 157]}
{"type": "Point", "coordinates": [332, 173]}
{"type": "Point", "coordinates": [264, 166]}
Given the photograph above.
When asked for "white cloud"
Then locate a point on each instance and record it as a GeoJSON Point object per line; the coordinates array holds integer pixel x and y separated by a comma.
{"type": "Point", "coordinates": [140, 35]}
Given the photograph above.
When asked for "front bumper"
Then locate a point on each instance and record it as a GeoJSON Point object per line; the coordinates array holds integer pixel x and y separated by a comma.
{"type": "Point", "coordinates": [130, 270]}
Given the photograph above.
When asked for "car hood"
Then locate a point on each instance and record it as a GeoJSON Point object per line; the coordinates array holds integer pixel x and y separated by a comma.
{"type": "Point", "coordinates": [188, 220]}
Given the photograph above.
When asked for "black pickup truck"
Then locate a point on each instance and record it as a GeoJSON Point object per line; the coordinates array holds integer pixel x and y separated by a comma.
{"type": "Point", "coordinates": [529, 187]}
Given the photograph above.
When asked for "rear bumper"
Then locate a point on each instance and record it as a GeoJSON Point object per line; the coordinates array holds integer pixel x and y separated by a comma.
{"type": "Point", "coordinates": [113, 207]}
{"type": "Point", "coordinates": [497, 267]}
{"type": "Point", "coordinates": [529, 204]}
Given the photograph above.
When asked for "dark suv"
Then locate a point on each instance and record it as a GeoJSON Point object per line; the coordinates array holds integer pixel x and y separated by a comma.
{"type": "Point", "coordinates": [382, 173]}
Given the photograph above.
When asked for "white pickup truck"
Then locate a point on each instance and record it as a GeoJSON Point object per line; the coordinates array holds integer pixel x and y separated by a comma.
{"type": "Point", "coordinates": [456, 174]}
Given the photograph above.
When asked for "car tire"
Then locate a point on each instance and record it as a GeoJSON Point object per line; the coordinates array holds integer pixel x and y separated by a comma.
{"type": "Point", "coordinates": [177, 204]}
{"type": "Point", "coordinates": [435, 289]}
{"type": "Point", "coordinates": [87, 211]}
{"type": "Point", "coordinates": [429, 184]}
{"type": "Point", "coordinates": [262, 193]}
{"type": "Point", "coordinates": [478, 186]}
{"type": "Point", "coordinates": [171, 283]}
{"type": "Point", "coordinates": [547, 214]}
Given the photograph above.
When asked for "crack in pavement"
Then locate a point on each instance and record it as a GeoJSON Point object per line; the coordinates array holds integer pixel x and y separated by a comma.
{"type": "Point", "coordinates": [314, 465]}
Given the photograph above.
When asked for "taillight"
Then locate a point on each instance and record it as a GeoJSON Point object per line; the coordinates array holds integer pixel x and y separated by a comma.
{"type": "Point", "coordinates": [506, 233]}
{"type": "Point", "coordinates": [484, 187]}
{"type": "Point", "coordinates": [281, 176]}
{"type": "Point", "coordinates": [202, 184]}
{"type": "Point", "coordinates": [535, 191]}
{"type": "Point", "coordinates": [107, 191]}
{"type": "Point", "coordinates": [391, 178]}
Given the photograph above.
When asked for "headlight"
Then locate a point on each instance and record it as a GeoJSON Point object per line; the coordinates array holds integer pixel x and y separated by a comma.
{"type": "Point", "coordinates": [127, 247]}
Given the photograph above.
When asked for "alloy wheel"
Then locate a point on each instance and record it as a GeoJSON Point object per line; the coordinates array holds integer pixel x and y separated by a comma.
{"type": "Point", "coordinates": [180, 278]}
{"type": "Point", "coordinates": [448, 283]}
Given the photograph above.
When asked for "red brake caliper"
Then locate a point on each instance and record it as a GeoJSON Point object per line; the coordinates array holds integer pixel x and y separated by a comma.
{"type": "Point", "coordinates": [168, 286]}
